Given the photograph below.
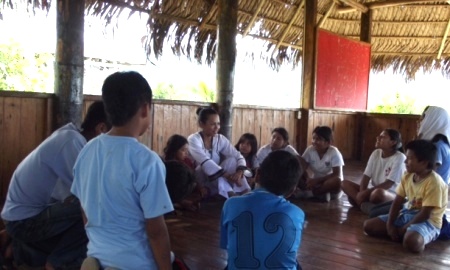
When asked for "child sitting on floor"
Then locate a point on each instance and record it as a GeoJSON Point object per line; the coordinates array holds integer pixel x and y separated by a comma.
{"type": "Point", "coordinates": [177, 149]}
{"type": "Point", "coordinates": [261, 229]}
{"type": "Point", "coordinates": [420, 222]}
{"type": "Point", "coordinates": [248, 146]}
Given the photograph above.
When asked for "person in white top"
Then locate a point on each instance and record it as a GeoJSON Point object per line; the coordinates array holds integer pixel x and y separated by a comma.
{"type": "Point", "coordinates": [324, 165]}
{"type": "Point", "coordinates": [220, 166]}
{"type": "Point", "coordinates": [280, 141]}
{"type": "Point", "coordinates": [383, 172]}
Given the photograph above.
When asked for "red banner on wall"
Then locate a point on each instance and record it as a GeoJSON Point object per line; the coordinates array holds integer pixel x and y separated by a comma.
{"type": "Point", "coordinates": [342, 73]}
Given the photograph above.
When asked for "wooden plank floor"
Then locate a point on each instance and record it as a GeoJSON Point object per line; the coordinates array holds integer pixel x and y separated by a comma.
{"type": "Point", "coordinates": [332, 239]}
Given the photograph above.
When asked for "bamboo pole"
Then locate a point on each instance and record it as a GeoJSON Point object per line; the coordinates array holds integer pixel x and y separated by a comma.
{"type": "Point", "coordinates": [69, 61]}
{"type": "Point", "coordinates": [254, 17]}
{"type": "Point", "coordinates": [384, 4]}
{"type": "Point", "coordinates": [444, 38]}
{"type": "Point", "coordinates": [226, 61]}
{"type": "Point", "coordinates": [286, 30]}
{"type": "Point", "coordinates": [325, 16]}
{"type": "Point", "coordinates": [356, 5]}
{"type": "Point", "coordinates": [208, 16]}
{"type": "Point", "coordinates": [309, 73]}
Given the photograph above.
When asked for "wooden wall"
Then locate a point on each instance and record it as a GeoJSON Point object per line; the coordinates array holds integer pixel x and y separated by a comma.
{"type": "Point", "coordinates": [355, 132]}
{"type": "Point", "coordinates": [26, 119]}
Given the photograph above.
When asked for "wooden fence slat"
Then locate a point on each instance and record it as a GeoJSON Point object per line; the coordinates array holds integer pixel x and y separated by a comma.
{"type": "Point", "coordinates": [26, 120]}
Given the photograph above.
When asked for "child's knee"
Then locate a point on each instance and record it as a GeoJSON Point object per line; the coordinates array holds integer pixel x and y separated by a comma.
{"type": "Point", "coordinates": [413, 241]}
{"type": "Point", "coordinates": [368, 227]}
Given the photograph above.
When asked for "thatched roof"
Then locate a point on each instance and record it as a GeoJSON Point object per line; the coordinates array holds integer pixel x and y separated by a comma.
{"type": "Point", "coordinates": [405, 34]}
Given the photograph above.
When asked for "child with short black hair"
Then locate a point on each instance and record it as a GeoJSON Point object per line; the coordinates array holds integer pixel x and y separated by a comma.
{"type": "Point", "coordinates": [420, 222]}
{"type": "Point", "coordinates": [256, 226]}
{"type": "Point", "coordinates": [121, 183]}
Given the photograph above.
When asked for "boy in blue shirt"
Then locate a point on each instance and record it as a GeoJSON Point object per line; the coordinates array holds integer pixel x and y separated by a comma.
{"type": "Point", "coordinates": [121, 183]}
{"type": "Point", "coordinates": [261, 229]}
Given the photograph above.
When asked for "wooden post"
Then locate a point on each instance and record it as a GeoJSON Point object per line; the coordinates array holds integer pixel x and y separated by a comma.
{"type": "Point", "coordinates": [69, 62]}
{"type": "Point", "coordinates": [225, 62]}
{"type": "Point", "coordinates": [366, 27]}
{"type": "Point", "coordinates": [309, 66]}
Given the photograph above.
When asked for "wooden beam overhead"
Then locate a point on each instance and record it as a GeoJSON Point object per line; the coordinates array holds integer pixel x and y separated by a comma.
{"type": "Point", "coordinates": [444, 38]}
{"type": "Point", "coordinates": [393, 3]}
{"type": "Point", "coordinates": [325, 16]}
{"type": "Point", "coordinates": [253, 19]}
{"type": "Point", "coordinates": [208, 16]}
{"type": "Point", "coordinates": [356, 5]}
{"type": "Point", "coordinates": [384, 4]}
{"type": "Point", "coordinates": [214, 27]}
{"type": "Point", "coordinates": [286, 30]}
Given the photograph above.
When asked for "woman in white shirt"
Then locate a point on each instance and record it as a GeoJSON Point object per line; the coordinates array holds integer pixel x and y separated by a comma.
{"type": "Point", "coordinates": [220, 166]}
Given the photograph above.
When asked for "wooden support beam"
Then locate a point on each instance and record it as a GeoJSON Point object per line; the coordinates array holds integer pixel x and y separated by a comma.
{"type": "Point", "coordinates": [69, 62]}
{"type": "Point", "coordinates": [394, 3]}
{"type": "Point", "coordinates": [286, 30]}
{"type": "Point", "coordinates": [444, 38]}
{"type": "Point", "coordinates": [366, 27]}
{"type": "Point", "coordinates": [356, 5]}
{"type": "Point", "coordinates": [407, 54]}
{"type": "Point", "coordinates": [214, 27]}
{"type": "Point", "coordinates": [325, 16]}
{"type": "Point", "coordinates": [384, 4]}
{"type": "Point", "coordinates": [226, 62]}
{"type": "Point", "coordinates": [253, 19]}
{"type": "Point", "coordinates": [208, 16]}
{"type": "Point", "coordinates": [308, 74]}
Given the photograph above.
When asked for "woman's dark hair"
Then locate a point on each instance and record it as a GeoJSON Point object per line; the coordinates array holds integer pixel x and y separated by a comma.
{"type": "Point", "coordinates": [283, 133]}
{"type": "Point", "coordinates": [324, 132]}
{"type": "Point", "coordinates": [280, 172]}
{"type": "Point", "coordinates": [253, 143]}
{"type": "Point", "coordinates": [204, 113]}
{"type": "Point", "coordinates": [424, 151]}
{"type": "Point", "coordinates": [95, 115]}
{"type": "Point", "coordinates": [174, 143]}
{"type": "Point", "coordinates": [397, 137]}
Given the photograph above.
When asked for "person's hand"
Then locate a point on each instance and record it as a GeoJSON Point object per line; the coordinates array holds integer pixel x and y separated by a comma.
{"type": "Point", "coordinates": [236, 177]}
{"type": "Point", "coordinates": [311, 183]}
{"type": "Point", "coordinates": [393, 232]}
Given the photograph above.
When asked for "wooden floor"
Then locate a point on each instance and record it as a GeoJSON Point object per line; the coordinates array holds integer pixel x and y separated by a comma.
{"type": "Point", "coordinates": [332, 239]}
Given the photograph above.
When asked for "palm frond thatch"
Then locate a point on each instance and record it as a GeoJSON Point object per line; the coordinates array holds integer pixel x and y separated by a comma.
{"type": "Point", "coordinates": [405, 35]}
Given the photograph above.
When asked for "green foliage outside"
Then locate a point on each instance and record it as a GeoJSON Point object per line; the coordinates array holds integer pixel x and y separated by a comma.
{"type": "Point", "coordinates": [22, 71]}
{"type": "Point", "coordinates": [200, 92]}
{"type": "Point", "coordinates": [397, 104]}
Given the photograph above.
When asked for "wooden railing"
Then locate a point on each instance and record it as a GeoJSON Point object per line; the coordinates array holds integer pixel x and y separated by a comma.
{"type": "Point", "coordinates": [26, 119]}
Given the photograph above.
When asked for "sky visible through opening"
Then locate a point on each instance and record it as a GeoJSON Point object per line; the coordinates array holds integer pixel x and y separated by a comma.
{"type": "Point", "coordinates": [255, 82]}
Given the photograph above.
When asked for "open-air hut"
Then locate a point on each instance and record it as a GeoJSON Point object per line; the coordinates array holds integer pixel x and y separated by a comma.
{"type": "Point", "coordinates": [404, 34]}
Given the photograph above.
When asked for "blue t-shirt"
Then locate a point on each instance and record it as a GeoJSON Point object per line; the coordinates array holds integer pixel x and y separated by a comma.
{"type": "Point", "coordinates": [261, 231]}
{"type": "Point", "coordinates": [120, 183]}
{"type": "Point", "coordinates": [443, 159]}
